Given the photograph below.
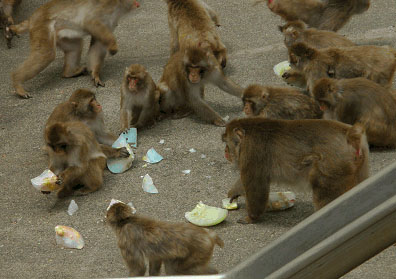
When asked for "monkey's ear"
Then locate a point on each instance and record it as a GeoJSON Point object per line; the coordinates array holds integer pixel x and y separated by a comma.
{"type": "Point", "coordinates": [294, 34]}
{"type": "Point", "coordinates": [264, 94]}
{"type": "Point", "coordinates": [239, 133]}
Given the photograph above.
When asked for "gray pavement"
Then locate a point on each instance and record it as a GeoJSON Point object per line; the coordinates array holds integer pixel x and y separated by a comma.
{"type": "Point", "coordinates": [28, 218]}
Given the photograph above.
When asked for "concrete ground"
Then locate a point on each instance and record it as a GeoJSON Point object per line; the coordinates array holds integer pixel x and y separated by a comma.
{"type": "Point", "coordinates": [28, 218]}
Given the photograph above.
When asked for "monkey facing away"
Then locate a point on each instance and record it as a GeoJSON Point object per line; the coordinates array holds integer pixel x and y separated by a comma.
{"type": "Point", "coordinates": [183, 248]}
{"type": "Point", "coordinates": [75, 157]}
{"type": "Point", "coordinates": [64, 24]}
{"type": "Point", "coordinates": [183, 80]}
{"type": "Point", "coordinates": [6, 12]}
{"type": "Point", "coordinates": [192, 23]}
{"type": "Point", "coordinates": [279, 103]}
{"type": "Point", "coordinates": [328, 15]}
{"type": "Point", "coordinates": [329, 156]}
{"type": "Point", "coordinates": [372, 62]}
{"type": "Point", "coordinates": [359, 100]}
{"type": "Point", "coordinates": [139, 98]}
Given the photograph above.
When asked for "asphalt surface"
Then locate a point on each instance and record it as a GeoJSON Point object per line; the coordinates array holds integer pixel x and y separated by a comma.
{"type": "Point", "coordinates": [28, 218]}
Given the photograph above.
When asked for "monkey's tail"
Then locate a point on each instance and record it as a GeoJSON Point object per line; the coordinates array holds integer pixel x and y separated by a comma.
{"type": "Point", "coordinates": [217, 240]}
{"type": "Point", "coordinates": [21, 27]}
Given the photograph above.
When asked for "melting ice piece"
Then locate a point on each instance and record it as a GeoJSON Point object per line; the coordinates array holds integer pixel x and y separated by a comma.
{"type": "Point", "coordinates": [120, 165]}
{"type": "Point", "coordinates": [230, 206]}
{"type": "Point", "coordinates": [280, 200]}
{"type": "Point", "coordinates": [130, 204]}
{"type": "Point", "coordinates": [186, 171]}
{"type": "Point", "coordinates": [131, 136]}
{"type": "Point", "coordinates": [73, 207]}
{"type": "Point", "coordinates": [281, 68]}
{"type": "Point", "coordinates": [45, 181]}
{"type": "Point", "coordinates": [205, 215]}
{"type": "Point", "coordinates": [226, 118]}
{"type": "Point", "coordinates": [162, 141]}
{"type": "Point", "coordinates": [113, 201]}
{"type": "Point", "coordinates": [152, 156]}
{"type": "Point", "coordinates": [148, 185]}
{"type": "Point", "coordinates": [68, 237]}
{"type": "Point", "coordinates": [192, 150]}
{"type": "Point", "coordinates": [203, 156]}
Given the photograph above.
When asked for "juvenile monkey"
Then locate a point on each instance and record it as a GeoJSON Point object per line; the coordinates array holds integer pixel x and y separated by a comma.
{"type": "Point", "coordinates": [6, 11]}
{"type": "Point", "coordinates": [329, 156]}
{"type": "Point", "coordinates": [328, 15]}
{"type": "Point", "coordinates": [183, 80]}
{"type": "Point", "coordinates": [139, 98]}
{"type": "Point", "coordinates": [75, 157]}
{"type": "Point", "coordinates": [183, 248]}
{"type": "Point", "coordinates": [359, 100]}
{"type": "Point", "coordinates": [64, 24]}
{"type": "Point", "coordinates": [279, 103]}
{"type": "Point", "coordinates": [192, 23]}
{"type": "Point", "coordinates": [372, 62]}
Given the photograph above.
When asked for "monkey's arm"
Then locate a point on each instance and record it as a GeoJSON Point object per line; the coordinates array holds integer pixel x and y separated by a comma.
{"type": "Point", "coordinates": [203, 110]}
{"type": "Point", "coordinates": [226, 84]}
{"type": "Point", "coordinates": [125, 118]}
{"type": "Point", "coordinates": [111, 152]}
{"type": "Point", "coordinates": [236, 190]}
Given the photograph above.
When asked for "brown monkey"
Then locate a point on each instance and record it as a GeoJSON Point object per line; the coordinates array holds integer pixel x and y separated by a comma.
{"type": "Point", "coordinates": [64, 24]}
{"type": "Point", "coordinates": [75, 157]}
{"type": "Point", "coordinates": [279, 103]}
{"type": "Point", "coordinates": [183, 80]}
{"type": "Point", "coordinates": [183, 248]}
{"type": "Point", "coordinates": [359, 100]}
{"type": "Point", "coordinates": [329, 156]}
{"type": "Point", "coordinates": [83, 106]}
{"type": "Point", "coordinates": [139, 98]}
{"type": "Point", "coordinates": [328, 15]}
{"type": "Point", "coordinates": [192, 23]}
{"type": "Point", "coordinates": [6, 11]}
{"type": "Point", "coordinates": [372, 62]}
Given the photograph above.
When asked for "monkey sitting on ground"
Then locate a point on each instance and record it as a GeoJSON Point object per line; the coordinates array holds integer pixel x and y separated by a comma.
{"type": "Point", "coordinates": [329, 156]}
{"type": "Point", "coordinates": [139, 98]}
{"type": "Point", "coordinates": [6, 19]}
{"type": "Point", "coordinates": [75, 157]}
{"type": "Point", "coordinates": [183, 248]}
{"type": "Point", "coordinates": [192, 23]}
{"type": "Point", "coordinates": [372, 62]}
{"type": "Point", "coordinates": [64, 24]}
{"type": "Point", "coordinates": [328, 15]}
{"type": "Point", "coordinates": [183, 80]}
{"type": "Point", "coordinates": [279, 103]}
{"type": "Point", "coordinates": [359, 100]}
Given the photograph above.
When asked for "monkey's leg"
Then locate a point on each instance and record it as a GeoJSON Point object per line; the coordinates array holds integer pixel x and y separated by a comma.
{"type": "Point", "coordinates": [42, 53]}
{"type": "Point", "coordinates": [203, 110]}
{"type": "Point", "coordinates": [67, 179]}
{"type": "Point", "coordinates": [72, 49]}
{"type": "Point", "coordinates": [135, 115]}
{"type": "Point", "coordinates": [125, 119]}
{"type": "Point", "coordinates": [154, 267]}
{"type": "Point", "coordinates": [96, 55]}
{"type": "Point", "coordinates": [93, 177]}
{"type": "Point", "coordinates": [134, 259]}
{"type": "Point", "coordinates": [103, 34]}
{"type": "Point", "coordinates": [147, 116]}
{"type": "Point", "coordinates": [225, 84]}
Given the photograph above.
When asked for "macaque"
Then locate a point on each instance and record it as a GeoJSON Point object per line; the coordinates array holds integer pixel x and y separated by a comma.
{"type": "Point", "coordinates": [359, 100]}
{"type": "Point", "coordinates": [327, 15]}
{"type": "Point", "coordinates": [279, 103]}
{"type": "Point", "coordinates": [139, 98]}
{"type": "Point", "coordinates": [6, 19]}
{"type": "Point", "coordinates": [75, 157]}
{"type": "Point", "coordinates": [372, 62]}
{"type": "Point", "coordinates": [183, 248]}
{"type": "Point", "coordinates": [297, 32]}
{"type": "Point", "coordinates": [328, 156]}
{"type": "Point", "coordinates": [83, 106]}
{"type": "Point", "coordinates": [183, 80]}
{"type": "Point", "coordinates": [192, 23]}
{"type": "Point", "coordinates": [64, 24]}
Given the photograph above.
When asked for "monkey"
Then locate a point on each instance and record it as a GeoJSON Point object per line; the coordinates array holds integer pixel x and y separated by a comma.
{"type": "Point", "coordinates": [192, 23]}
{"type": "Point", "coordinates": [64, 24]}
{"type": "Point", "coordinates": [329, 156]}
{"type": "Point", "coordinates": [83, 106]}
{"type": "Point", "coordinates": [372, 62]}
{"type": "Point", "coordinates": [182, 84]}
{"type": "Point", "coordinates": [183, 248]}
{"type": "Point", "coordinates": [296, 32]}
{"type": "Point", "coordinates": [279, 103]}
{"type": "Point", "coordinates": [359, 100]}
{"type": "Point", "coordinates": [6, 18]}
{"type": "Point", "coordinates": [327, 15]}
{"type": "Point", "coordinates": [75, 157]}
{"type": "Point", "coordinates": [139, 98]}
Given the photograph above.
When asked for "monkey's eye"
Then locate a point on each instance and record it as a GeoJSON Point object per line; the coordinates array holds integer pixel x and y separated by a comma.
{"type": "Point", "coordinates": [202, 71]}
{"type": "Point", "coordinates": [63, 146]}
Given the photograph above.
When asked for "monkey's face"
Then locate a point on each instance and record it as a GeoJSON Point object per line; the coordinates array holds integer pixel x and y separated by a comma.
{"type": "Point", "coordinates": [56, 138]}
{"type": "Point", "coordinates": [248, 107]}
{"type": "Point", "coordinates": [94, 106]}
{"type": "Point", "coordinates": [195, 73]}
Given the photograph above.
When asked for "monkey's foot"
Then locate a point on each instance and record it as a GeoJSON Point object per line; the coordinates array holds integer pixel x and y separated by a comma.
{"type": "Point", "coordinates": [23, 94]}
{"type": "Point", "coordinates": [76, 73]}
{"type": "Point", "coordinates": [223, 63]}
{"type": "Point", "coordinates": [219, 122]}
{"type": "Point", "coordinates": [9, 34]}
{"type": "Point", "coordinates": [245, 220]}
{"type": "Point", "coordinates": [98, 82]}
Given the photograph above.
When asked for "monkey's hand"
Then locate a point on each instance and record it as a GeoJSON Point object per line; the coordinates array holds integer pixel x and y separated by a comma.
{"type": "Point", "coordinates": [219, 122]}
{"type": "Point", "coordinates": [286, 75]}
{"type": "Point", "coordinates": [123, 152]}
{"type": "Point", "coordinates": [113, 48]}
{"type": "Point", "coordinates": [46, 192]}
{"type": "Point", "coordinates": [59, 181]}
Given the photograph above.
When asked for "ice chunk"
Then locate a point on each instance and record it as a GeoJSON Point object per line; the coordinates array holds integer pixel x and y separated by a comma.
{"type": "Point", "coordinates": [130, 204]}
{"type": "Point", "coordinates": [162, 141]}
{"type": "Point", "coordinates": [120, 165]}
{"type": "Point", "coordinates": [192, 150]}
{"type": "Point", "coordinates": [68, 237]}
{"type": "Point", "coordinates": [186, 171]}
{"type": "Point", "coordinates": [152, 156]}
{"type": "Point", "coordinates": [73, 207]}
{"type": "Point", "coordinates": [148, 185]}
{"type": "Point", "coordinates": [230, 206]}
{"type": "Point", "coordinates": [45, 182]}
{"type": "Point", "coordinates": [205, 215]}
{"type": "Point", "coordinates": [281, 68]}
{"type": "Point", "coordinates": [131, 136]}
{"type": "Point", "coordinates": [280, 200]}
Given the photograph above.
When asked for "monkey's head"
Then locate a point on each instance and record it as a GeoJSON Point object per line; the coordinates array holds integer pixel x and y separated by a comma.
{"type": "Point", "coordinates": [58, 138]}
{"type": "Point", "coordinates": [302, 52]}
{"type": "Point", "coordinates": [196, 62]}
{"type": "Point", "coordinates": [254, 98]}
{"type": "Point", "coordinates": [85, 103]}
{"type": "Point", "coordinates": [233, 138]}
{"type": "Point", "coordinates": [292, 31]}
{"type": "Point", "coordinates": [325, 92]}
{"type": "Point", "coordinates": [118, 213]}
{"type": "Point", "coordinates": [135, 77]}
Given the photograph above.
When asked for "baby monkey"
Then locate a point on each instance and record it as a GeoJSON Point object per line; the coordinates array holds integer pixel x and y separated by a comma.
{"type": "Point", "coordinates": [183, 248]}
{"type": "Point", "coordinates": [139, 98]}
